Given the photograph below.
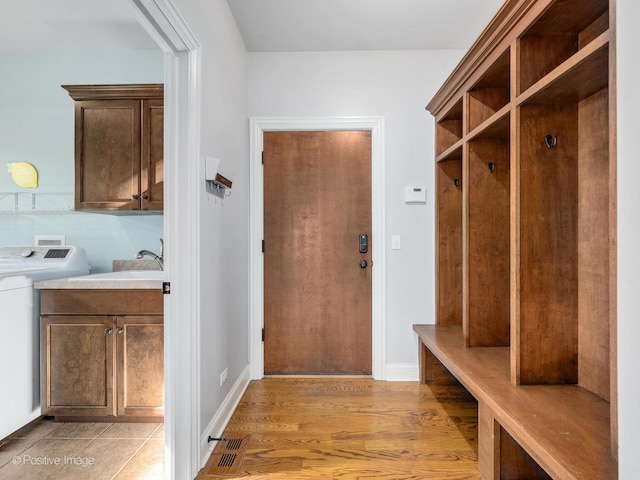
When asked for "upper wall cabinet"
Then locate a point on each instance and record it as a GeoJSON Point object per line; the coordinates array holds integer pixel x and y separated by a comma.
{"type": "Point", "coordinates": [119, 160]}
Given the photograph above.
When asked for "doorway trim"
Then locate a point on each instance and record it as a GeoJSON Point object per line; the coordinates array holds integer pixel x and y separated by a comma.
{"type": "Point", "coordinates": [182, 60]}
{"type": "Point", "coordinates": [257, 127]}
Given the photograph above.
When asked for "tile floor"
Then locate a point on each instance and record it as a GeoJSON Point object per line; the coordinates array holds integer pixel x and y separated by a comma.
{"type": "Point", "coordinates": [88, 451]}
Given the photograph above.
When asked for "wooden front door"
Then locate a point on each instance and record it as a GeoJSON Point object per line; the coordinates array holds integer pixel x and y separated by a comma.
{"type": "Point", "coordinates": [317, 289]}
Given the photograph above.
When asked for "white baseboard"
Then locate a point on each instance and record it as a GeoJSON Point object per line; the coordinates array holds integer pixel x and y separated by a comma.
{"type": "Point", "coordinates": [402, 372]}
{"type": "Point", "coordinates": [223, 415]}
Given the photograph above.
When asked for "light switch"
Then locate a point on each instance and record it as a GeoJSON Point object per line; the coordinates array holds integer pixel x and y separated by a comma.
{"type": "Point", "coordinates": [415, 195]}
{"type": "Point", "coordinates": [395, 242]}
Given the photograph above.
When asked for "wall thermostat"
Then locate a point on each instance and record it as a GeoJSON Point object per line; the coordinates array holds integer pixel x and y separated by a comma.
{"type": "Point", "coordinates": [415, 195]}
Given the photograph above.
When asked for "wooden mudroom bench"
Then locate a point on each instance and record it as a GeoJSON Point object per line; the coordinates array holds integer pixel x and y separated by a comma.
{"type": "Point", "coordinates": [534, 431]}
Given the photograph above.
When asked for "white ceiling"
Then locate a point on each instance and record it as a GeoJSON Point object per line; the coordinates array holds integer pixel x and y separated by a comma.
{"type": "Point", "coordinates": [74, 25]}
{"type": "Point", "coordinates": [327, 25]}
{"type": "Point", "coordinates": [265, 25]}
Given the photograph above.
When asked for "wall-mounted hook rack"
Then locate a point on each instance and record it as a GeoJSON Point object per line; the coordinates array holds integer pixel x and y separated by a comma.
{"type": "Point", "coordinates": [550, 141]}
{"type": "Point", "coordinates": [491, 166]}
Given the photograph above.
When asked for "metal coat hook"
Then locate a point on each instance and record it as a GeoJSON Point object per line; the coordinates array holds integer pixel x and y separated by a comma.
{"type": "Point", "coordinates": [456, 182]}
{"type": "Point", "coordinates": [550, 141]}
{"type": "Point", "coordinates": [491, 166]}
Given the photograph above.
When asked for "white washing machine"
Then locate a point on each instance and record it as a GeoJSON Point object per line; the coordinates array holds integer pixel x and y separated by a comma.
{"type": "Point", "coordinates": [20, 267]}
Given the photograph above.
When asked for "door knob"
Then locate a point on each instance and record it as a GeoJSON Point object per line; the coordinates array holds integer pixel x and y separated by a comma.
{"type": "Point", "coordinates": [363, 263]}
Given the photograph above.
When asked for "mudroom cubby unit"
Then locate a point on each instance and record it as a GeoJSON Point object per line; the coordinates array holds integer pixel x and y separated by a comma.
{"type": "Point", "coordinates": [525, 171]}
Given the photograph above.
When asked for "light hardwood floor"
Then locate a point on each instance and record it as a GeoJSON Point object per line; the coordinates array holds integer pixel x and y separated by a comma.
{"type": "Point", "coordinates": [335, 428]}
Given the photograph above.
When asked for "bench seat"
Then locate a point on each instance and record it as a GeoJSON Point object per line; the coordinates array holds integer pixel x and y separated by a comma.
{"type": "Point", "coordinates": [564, 429]}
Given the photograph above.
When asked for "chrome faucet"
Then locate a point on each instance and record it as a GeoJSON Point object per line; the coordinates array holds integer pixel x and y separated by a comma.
{"type": "Point", "coordinates": [149, 253]}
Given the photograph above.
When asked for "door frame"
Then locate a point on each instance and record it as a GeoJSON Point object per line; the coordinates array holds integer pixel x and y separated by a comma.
{"type": "Point", "coordinates": [182, 98]}
{"type": "Point", "coordinates": [257, 127]}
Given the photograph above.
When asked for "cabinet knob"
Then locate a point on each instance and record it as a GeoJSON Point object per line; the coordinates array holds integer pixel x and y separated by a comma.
{"type": "Point", "coordinates": [134, 197]}
{"type": "Point", "coordinates": [108, 330]}
{"type": "Point", "coordinates": [119, 330]}
{"type": "Point", "coordinates": [144, 197]}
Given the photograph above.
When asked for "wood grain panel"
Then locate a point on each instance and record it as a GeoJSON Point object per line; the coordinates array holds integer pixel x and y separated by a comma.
{"type": "Point", "coordinates": [107, 135]}
{"type": "Point", "coordinates": [77, 364]}
{"type": "Point", "coordinates": [548, 321]}
{"type": "Point", "coordinates": [491, 93]}
{"type": "Point", "coordinates": [449, 242]}
{"type": "Point", "coordinates": [564, 428]}
{"type": "Point", "coordinates": [140, 368]}
{"type": "Point", "coordinates": [488, 248]}
{"type": "Point", "coordinates": [515, 462]}
{"type": "Point", "coordinates": [102, 302]}
{"type": "Point", "coordinates": [317, 198]}
{"type": "Point", "coordinates": [152, 159]}
{"type": "Point", "coordinates": [590, 33]}
{"type": "Point", "coordinates": [593, 244]}
{"type": "Point", "coordinates": [449, 128]}
{"type": "Point", "coordinates": [568, 17]}
{"type": "Point", "coordinates": [540, 55]}
{"type": "Point", "coordinates": [488, 444]}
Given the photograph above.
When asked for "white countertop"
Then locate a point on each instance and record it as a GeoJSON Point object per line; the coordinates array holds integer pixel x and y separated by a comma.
{"type": "Point", "coordinates": [126, 279]}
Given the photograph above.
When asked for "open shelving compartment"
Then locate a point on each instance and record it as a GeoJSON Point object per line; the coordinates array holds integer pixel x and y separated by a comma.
{"type": "Point", "coordinates": [565, 28]}
{"type": "Point", "coordinates": [449, 240]}
{"type": "Point", "coordinates": [564, 214]}
{"type": "Point", "coordinates": [526, 300]}
{"type": "Point", "coordinates": [491, 93]}
{"type": "Point", "coordinates": [487, 320]}
{"type": "Point", "coordinates": [449, 132]}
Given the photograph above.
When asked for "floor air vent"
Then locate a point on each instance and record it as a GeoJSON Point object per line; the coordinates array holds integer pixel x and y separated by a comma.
{"type": "Point", "coordinates": [226, 457]}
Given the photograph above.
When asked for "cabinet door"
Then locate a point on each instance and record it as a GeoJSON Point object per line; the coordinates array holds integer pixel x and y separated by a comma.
{"type": "Point", "coordinates": [77, 365]}
{"type": "Point", "coordinates": [107, 160]}
{"type": "Point", "coordinates": [152, 160]}
{"type": "Point", "coordinates": [140, 354]}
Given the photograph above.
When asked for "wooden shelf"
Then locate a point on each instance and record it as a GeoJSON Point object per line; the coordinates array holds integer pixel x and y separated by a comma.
{"type": "Point", "coordinates": [564, 428]}
{"type": "Point", "coordinates": [496, 126]}
{"type": "Point", "coordinates": [578, 78]}
{"type": "Point", "coordinates": [491, 93]}
{"type": "Point", "coordinates": [449, 129]}
{"type": "Point", "coordinates": [565, 28]}
{"type": "Point", "coordinates": [526, 247]}
{"type": "Point", "coordinates": [454, 152]}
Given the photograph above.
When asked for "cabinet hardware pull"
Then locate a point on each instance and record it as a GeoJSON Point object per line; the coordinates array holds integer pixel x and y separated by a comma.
{"type": "Point", "coordinates": [491, 166]}
{"type": "Point", "coordinates": [144, 197]}
{"type": "Point", "coordinates": [134, 197]}
{"type": "Point", "coordinates": [119, 330]}
{"type": "Point", "coordinates": [108, 330]}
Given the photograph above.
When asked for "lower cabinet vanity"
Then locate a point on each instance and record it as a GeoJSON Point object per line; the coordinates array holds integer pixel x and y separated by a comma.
{"type": "Point", "coordinates": [102, 353]}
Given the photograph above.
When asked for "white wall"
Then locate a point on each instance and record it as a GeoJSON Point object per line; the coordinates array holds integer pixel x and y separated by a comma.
{"type": "Point", "coordinates": [224, 222]}
{"type": "Point", "coordinates": [628, 16]}
{"type": "Point", "coordinates": [37, 126]}
{"type": "Point", "coordinates": [396, 85]}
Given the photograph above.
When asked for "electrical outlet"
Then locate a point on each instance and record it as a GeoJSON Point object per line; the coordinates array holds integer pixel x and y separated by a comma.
{"type": "Point", "coordinates": [223, 376]}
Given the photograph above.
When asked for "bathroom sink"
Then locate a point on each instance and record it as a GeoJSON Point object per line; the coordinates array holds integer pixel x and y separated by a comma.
{"type": "Point", "coordinates": [122, 276]}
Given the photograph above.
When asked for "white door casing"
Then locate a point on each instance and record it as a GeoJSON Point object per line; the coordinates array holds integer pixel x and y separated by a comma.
{"type": "Point", "coordinates": [256, 268]}
{"type": "Point", "coordinates": [166, 26]}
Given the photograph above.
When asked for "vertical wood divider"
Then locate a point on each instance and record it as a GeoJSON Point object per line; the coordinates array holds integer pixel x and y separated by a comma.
{"type": "Point", "coordinates": [514, 217]}
{"type": "Point", "coordinates": [613, 228]}
{"type": "Point", "coordinates": [488, 444]}
{"type": "Point", "coordinates": [465, 219]}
